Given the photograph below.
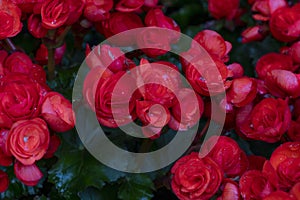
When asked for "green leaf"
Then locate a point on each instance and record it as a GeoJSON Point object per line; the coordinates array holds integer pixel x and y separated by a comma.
{"type": "Point", "coordinates": [76, 169]}
{"type": "Point", "coordinates": [28, 43]}
{"type": "Point", "coordinates": [92, 193]}
{"type": "Point", "coordinates": [264, 149]}
{"type": "Point", "coordinates": [16, 189]}
{"type": "Point", "coordinates": [64, 81]}
{"type": "Point", "coordinates": [248, 54]}
{"type": "Point", "coordinates": [244, 145]}
{"type": "Point", "coordinates": [136, 187]}
{"type": "Point", "coordinates": [190, 13]}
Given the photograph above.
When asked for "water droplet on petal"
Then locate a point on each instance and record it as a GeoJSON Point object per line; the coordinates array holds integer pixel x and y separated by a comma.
{"type": "Point", "coordinates": [294, 146]}
{"type": "Point", "coordinates": [202, 79]}
{"type": "Point", "coordinates": [25, 139]}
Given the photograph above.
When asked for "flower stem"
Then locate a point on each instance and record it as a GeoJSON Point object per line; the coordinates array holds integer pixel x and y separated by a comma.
{"type": "Point", "coordinates": [50, 43]}
{"type": "Point", "coordinates": [197, 141]}
{"type": "Point", "coordinates": [10, 44]}
{"type": "Point", "coordinates": [51, 64]}
{"type": "Point", "coordinates": [60, 39]}
{"type": "Point", "coordinates": [200, 134]}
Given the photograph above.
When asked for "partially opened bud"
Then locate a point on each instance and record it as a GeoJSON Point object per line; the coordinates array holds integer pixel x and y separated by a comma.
{"type": "Point", "coordinates": [263, 9]}
{"type": "Point", "coordinates": [214, 43]}
{"type": "Point", "coordinates": [55, 13]}
{"type": "Point", "coordinates": [57, 112]}
{"type": "Point", "coordinates": [156, 17]}
{"type": "Point", "coordinates": [42, 54]}
{"type": "Point", "coordinates": [112, 58]}
{"type": "Point", "coordinates": [30, 175]}
{"type": "Point", "coordinates": [129, 5]}
{"type": "Point", "coordinates": [236, 69]}
{"type": "Point", "coordinates": [255, 33]}
{"type": "Point", "coordinates": [272, 61]}
{"type": "Point", "coordinates": [35, 27]}
{"type": "Point", "coordinates": [242, 91]}
{"type": "Point", "coordinates": [76, 8]}
{"type": "Point", "coordinates": [283, 83]}
{"type": "Point", "coordinates": [230, 190]}
{"type": "Point", "coordinates": [285, 23]}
